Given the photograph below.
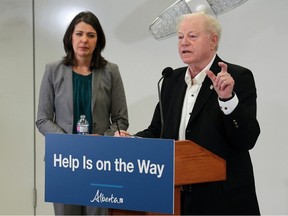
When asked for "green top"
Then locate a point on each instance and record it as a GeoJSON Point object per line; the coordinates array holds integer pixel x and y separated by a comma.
{"type": "Point", "coordinates": [82, 95]}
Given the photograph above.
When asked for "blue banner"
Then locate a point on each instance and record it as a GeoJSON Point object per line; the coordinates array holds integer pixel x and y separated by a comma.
{"type": "Point", "coordinates": [112, 172]}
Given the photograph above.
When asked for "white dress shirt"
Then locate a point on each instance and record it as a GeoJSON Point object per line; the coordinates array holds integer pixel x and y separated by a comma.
{"type": "Point", "coordinates": [192, 91]}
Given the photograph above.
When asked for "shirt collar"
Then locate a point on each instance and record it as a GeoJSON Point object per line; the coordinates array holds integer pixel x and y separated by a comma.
{"type": "Point", "coordinates": [199, 78]}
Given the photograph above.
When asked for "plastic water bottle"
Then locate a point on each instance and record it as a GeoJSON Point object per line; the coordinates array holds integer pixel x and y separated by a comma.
{"type": "Point", "coordinates": [83, 125]}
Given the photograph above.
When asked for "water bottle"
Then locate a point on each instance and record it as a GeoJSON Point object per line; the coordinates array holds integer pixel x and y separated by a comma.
{"type": "Point", "coordinates": [82, 125]}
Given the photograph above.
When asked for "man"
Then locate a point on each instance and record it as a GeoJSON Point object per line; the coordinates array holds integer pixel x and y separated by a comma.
{"type": "Point", "coordinates": [212, 103]}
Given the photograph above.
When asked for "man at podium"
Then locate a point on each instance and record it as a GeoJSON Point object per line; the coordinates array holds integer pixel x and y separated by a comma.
{"type": "Point", "coordinates": [212, 103]}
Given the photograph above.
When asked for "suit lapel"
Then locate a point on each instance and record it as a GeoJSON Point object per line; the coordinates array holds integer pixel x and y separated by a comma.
{"type": "Point", "coordinates": [68, 80]}
{"type": "Point", "coordinates": [96, 77]}
{"type": "Point", "coordinates": [204, 94]}
{"type": "Point", "coordinates": [205, 91]}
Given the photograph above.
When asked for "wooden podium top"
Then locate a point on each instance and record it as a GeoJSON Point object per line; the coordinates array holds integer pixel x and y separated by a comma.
{"type": "Point", "coordinates": [195, 164]}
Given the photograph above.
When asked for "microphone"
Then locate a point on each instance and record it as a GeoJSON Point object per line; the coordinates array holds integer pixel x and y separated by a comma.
{"type": "Point", "coordinates": [167, 72]}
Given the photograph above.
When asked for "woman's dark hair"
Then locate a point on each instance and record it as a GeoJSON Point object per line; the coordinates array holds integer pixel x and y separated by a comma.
{"type": "Point", "coordinates": [88, 17]}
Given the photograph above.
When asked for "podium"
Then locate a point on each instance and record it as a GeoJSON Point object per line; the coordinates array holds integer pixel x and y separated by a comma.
{"type": "Point", "coordinates": [193, 164]}
{"type": "Point", "coordinates": [82, 170]}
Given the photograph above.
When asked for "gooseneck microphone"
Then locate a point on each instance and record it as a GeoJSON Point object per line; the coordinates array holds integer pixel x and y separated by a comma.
{"type": "Point", "coordinates": [167, 72]}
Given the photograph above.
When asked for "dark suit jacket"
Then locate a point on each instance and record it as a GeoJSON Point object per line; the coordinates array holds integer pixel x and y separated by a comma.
{"type": "Point", "coordinates": [228, 136]}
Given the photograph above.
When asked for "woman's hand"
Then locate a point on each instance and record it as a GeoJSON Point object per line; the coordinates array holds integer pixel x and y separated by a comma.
{"type": "Point", "coordinates": [122, 134]}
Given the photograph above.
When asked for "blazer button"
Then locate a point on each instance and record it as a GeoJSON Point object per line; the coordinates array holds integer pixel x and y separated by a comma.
{"type": "Point", "coordinates": [188, 131]}
{"type": "Point", "coordinates": [235, 123]}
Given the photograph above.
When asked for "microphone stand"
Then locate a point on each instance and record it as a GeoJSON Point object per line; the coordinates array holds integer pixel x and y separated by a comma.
{"type": "Point", "coordinates": [165, 74]}
{"type": "Point", "coordinates": [160, 107]}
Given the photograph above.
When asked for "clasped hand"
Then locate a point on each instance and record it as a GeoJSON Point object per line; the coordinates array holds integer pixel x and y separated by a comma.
{"type": "Point", "coordinates": [122, 134]}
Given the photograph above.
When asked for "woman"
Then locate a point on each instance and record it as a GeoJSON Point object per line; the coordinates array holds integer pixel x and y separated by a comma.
{"type": "Point", "coordinates": [82, 83]}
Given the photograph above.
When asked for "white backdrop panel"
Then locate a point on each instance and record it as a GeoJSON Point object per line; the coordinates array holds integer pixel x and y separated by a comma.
{"type": "Point", "coordinates": [16, 112]}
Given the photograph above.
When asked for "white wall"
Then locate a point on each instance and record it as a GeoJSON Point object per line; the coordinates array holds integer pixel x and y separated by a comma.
{"type": "Point", "coordinates": [16, 108]}
{"type": "Point", "coordinates": [254, 35]}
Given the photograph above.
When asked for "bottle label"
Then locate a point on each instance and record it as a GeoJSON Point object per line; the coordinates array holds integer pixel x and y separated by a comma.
{"type": "Point", "coordinates": [82, 129]}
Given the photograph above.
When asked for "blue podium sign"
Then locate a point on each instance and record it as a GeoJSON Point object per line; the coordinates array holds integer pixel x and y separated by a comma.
{"type": "Point", "coordinates": [111, 172]}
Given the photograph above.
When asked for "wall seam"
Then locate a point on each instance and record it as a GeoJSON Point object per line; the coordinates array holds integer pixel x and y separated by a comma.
{"type": "Point", "coordinates": [34, 109]}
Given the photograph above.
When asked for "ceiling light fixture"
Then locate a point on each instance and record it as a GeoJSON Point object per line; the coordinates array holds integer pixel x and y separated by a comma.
{"type": "Point", "coordinates": [165, 24]}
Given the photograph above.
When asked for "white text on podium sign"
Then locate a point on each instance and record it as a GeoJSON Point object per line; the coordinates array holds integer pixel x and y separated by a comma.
{"type": "Point", "coordinates": [112, 172]}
